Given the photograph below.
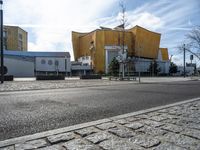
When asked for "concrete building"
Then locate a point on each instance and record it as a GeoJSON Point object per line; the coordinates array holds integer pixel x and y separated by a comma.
{"type": "Point", "coordinates": [79, 68]}
{"type": "Point", "coordinates": [29, 64]}
{"type": "Point", "coordinates": [188, 71]}
{"type": "Point", "coordinates": [103, 44]}
{"type": "Point", "coordinates": [15, 38]}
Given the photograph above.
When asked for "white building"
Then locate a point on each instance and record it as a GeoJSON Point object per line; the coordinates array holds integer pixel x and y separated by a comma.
{"type": "Point", "coordinates": [188, 71]}
{"type": "Point", "coordinates": [79, 68]}
{"type": "Point", "coordinates": [85, 60]}
{"type": "Point", "coordinates": [29, 64]}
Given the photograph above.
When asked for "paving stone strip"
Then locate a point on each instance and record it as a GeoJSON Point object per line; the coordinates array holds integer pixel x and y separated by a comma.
{"type": "Point", "coordinates": [44, 85]}
{"type": "Point", "coordinates": [161, 129]}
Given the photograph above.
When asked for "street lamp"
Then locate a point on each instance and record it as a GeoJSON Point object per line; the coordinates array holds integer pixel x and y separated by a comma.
{"type": "Point", "coordinates": [139, 63]}
{"type": "Point", "coordinates": [184, 60]}
{"type": "Point", "coordinates": [1, 25]}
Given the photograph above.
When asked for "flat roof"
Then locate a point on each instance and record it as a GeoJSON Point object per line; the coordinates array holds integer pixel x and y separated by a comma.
{"type": "Point", "coordinates": [9, 26]}
{"type": "Point", "coordinates": [36, 54]}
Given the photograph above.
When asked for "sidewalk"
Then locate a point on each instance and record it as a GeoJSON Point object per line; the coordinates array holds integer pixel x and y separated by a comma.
{"type": "Point", "coordinates": [21, 84]}
{"type": "Point", "coordinates": [167, 79]}
{"type": "Point", "coordinates": [172, 127]}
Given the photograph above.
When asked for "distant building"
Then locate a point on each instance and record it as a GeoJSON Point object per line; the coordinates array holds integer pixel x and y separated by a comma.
{"type": "Point", "coordinates": [30, 64]}
{"type": "Point", "coordinates": [189, 70]}
{"type": "Point", "coordinates": [194, 65]}
{"type": "Point", "coordinates": [79, 68]}
{"type": "Point", "coordinates": [15, 38]}
{"type": "Point", "coordinates": [102, 45]}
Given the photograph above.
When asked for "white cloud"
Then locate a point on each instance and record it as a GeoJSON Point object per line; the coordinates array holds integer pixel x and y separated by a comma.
{"type": "Point", "coordinates": [178, 59]}
{"type": "Point", "coordinates": [146, 19]}
{"type": "Point", "coordinates": [50, 23]}
{"type": "Point", "coordinates": [173, 19]}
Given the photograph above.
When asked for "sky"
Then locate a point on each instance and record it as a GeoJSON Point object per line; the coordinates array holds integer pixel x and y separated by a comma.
{"type": "Point", "coordinates": [49, 23]}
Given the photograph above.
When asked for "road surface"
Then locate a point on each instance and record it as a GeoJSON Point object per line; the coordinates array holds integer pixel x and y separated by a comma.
{"type": "Point", "coordinates": [27, 112]}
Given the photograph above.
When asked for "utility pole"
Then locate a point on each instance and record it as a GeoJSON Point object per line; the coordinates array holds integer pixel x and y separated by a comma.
{"type": "Point", "coordinates": [184, 60]}
{"type": "Point", "coordinates": [2, 59]}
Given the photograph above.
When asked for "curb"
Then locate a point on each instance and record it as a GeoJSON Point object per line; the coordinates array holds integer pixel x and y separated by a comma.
{"type": "Point", "coordinates": [154, 109]}
{"type": "Point", "coordinates": [84, 125]}
{"type": "Point", "coordinates": [50, 132]}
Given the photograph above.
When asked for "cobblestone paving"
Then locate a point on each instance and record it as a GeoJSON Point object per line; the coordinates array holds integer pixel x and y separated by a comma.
{"type": "Point", "coordinates": [20, 85]}
{"type": "Point", "coordinates": [37, 85]}
{"type": "Point", "coordinates": [173, 128]}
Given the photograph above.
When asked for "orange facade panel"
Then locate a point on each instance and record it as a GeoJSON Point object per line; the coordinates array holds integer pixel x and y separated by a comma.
{"type": "Point", "coordinates": [165, 55]}
{"type": "Point", "coordinates": [99, 55]}
{"type": "Point", "coordinates": [76, 44]}
{"type": "Point", "coordinates": [110, 38]}
{"type": "Point", "coordinates": [146, 42]}
{"type": "Point", "coordinates": [85, 44]}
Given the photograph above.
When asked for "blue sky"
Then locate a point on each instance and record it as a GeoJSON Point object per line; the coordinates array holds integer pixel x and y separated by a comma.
{"type": "Point", "coordinates": [49, 23]}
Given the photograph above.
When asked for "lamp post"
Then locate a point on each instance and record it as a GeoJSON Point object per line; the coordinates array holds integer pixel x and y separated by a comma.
{"type": "Point", "coordinates": [139, 63]}
{"type": "Point", "coordinates": [184, 60]}
{"type": "Point", "coordinates": [1, 25]}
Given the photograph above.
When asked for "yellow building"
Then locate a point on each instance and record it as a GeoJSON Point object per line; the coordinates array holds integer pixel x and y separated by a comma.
{"type": "Point", "coordinates": [97, 44]}
{"type": "Point", "coordinates": [15, 38]}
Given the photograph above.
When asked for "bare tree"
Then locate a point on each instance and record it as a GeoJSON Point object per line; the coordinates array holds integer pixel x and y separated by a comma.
{"type": "Point", "coordinates": [123, 21]}
{"type": "Point", "coordinates": [194, 38]}
{"type": "Point", "coordinates": [192, 44]}
{"type": "Point", "coordinates": [189, 48]}
{"type": "Point", "coordinates": [123, 18]}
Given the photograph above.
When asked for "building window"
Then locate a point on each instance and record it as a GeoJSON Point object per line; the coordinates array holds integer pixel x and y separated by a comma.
{"type": "Point", "coordinates": [5, 34]}
{"type": "Point", "coordinates": [92, 42]}
{"type": "Point", "coordinates": [20, 45]}
{"type": "Point", "coordinates": [43, 61]}
{"type": "Point", "coordinates": [20, 36]}
{"type": "Point", "coordinates": [56, 62]}
{"type": "Point", "coordinates": [50, 62]}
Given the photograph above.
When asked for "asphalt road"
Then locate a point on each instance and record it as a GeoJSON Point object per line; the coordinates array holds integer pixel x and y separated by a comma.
{"type": "Point", "coordinates": [27, 112]}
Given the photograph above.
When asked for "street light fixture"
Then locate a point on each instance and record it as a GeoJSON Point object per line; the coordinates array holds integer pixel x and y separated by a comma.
{"type": "Point", "coordinates": [1, 35]}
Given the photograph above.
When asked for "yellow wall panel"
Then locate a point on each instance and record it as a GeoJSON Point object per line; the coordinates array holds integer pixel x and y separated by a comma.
{"type": "Point", "coordinates": [99, 60]}
{"type": "Point", "coordinates": [165, 55]}
{"type": "Point", "coordinates": [146, 43]}
{"type": "Point", "coordinates": [75, 44]}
